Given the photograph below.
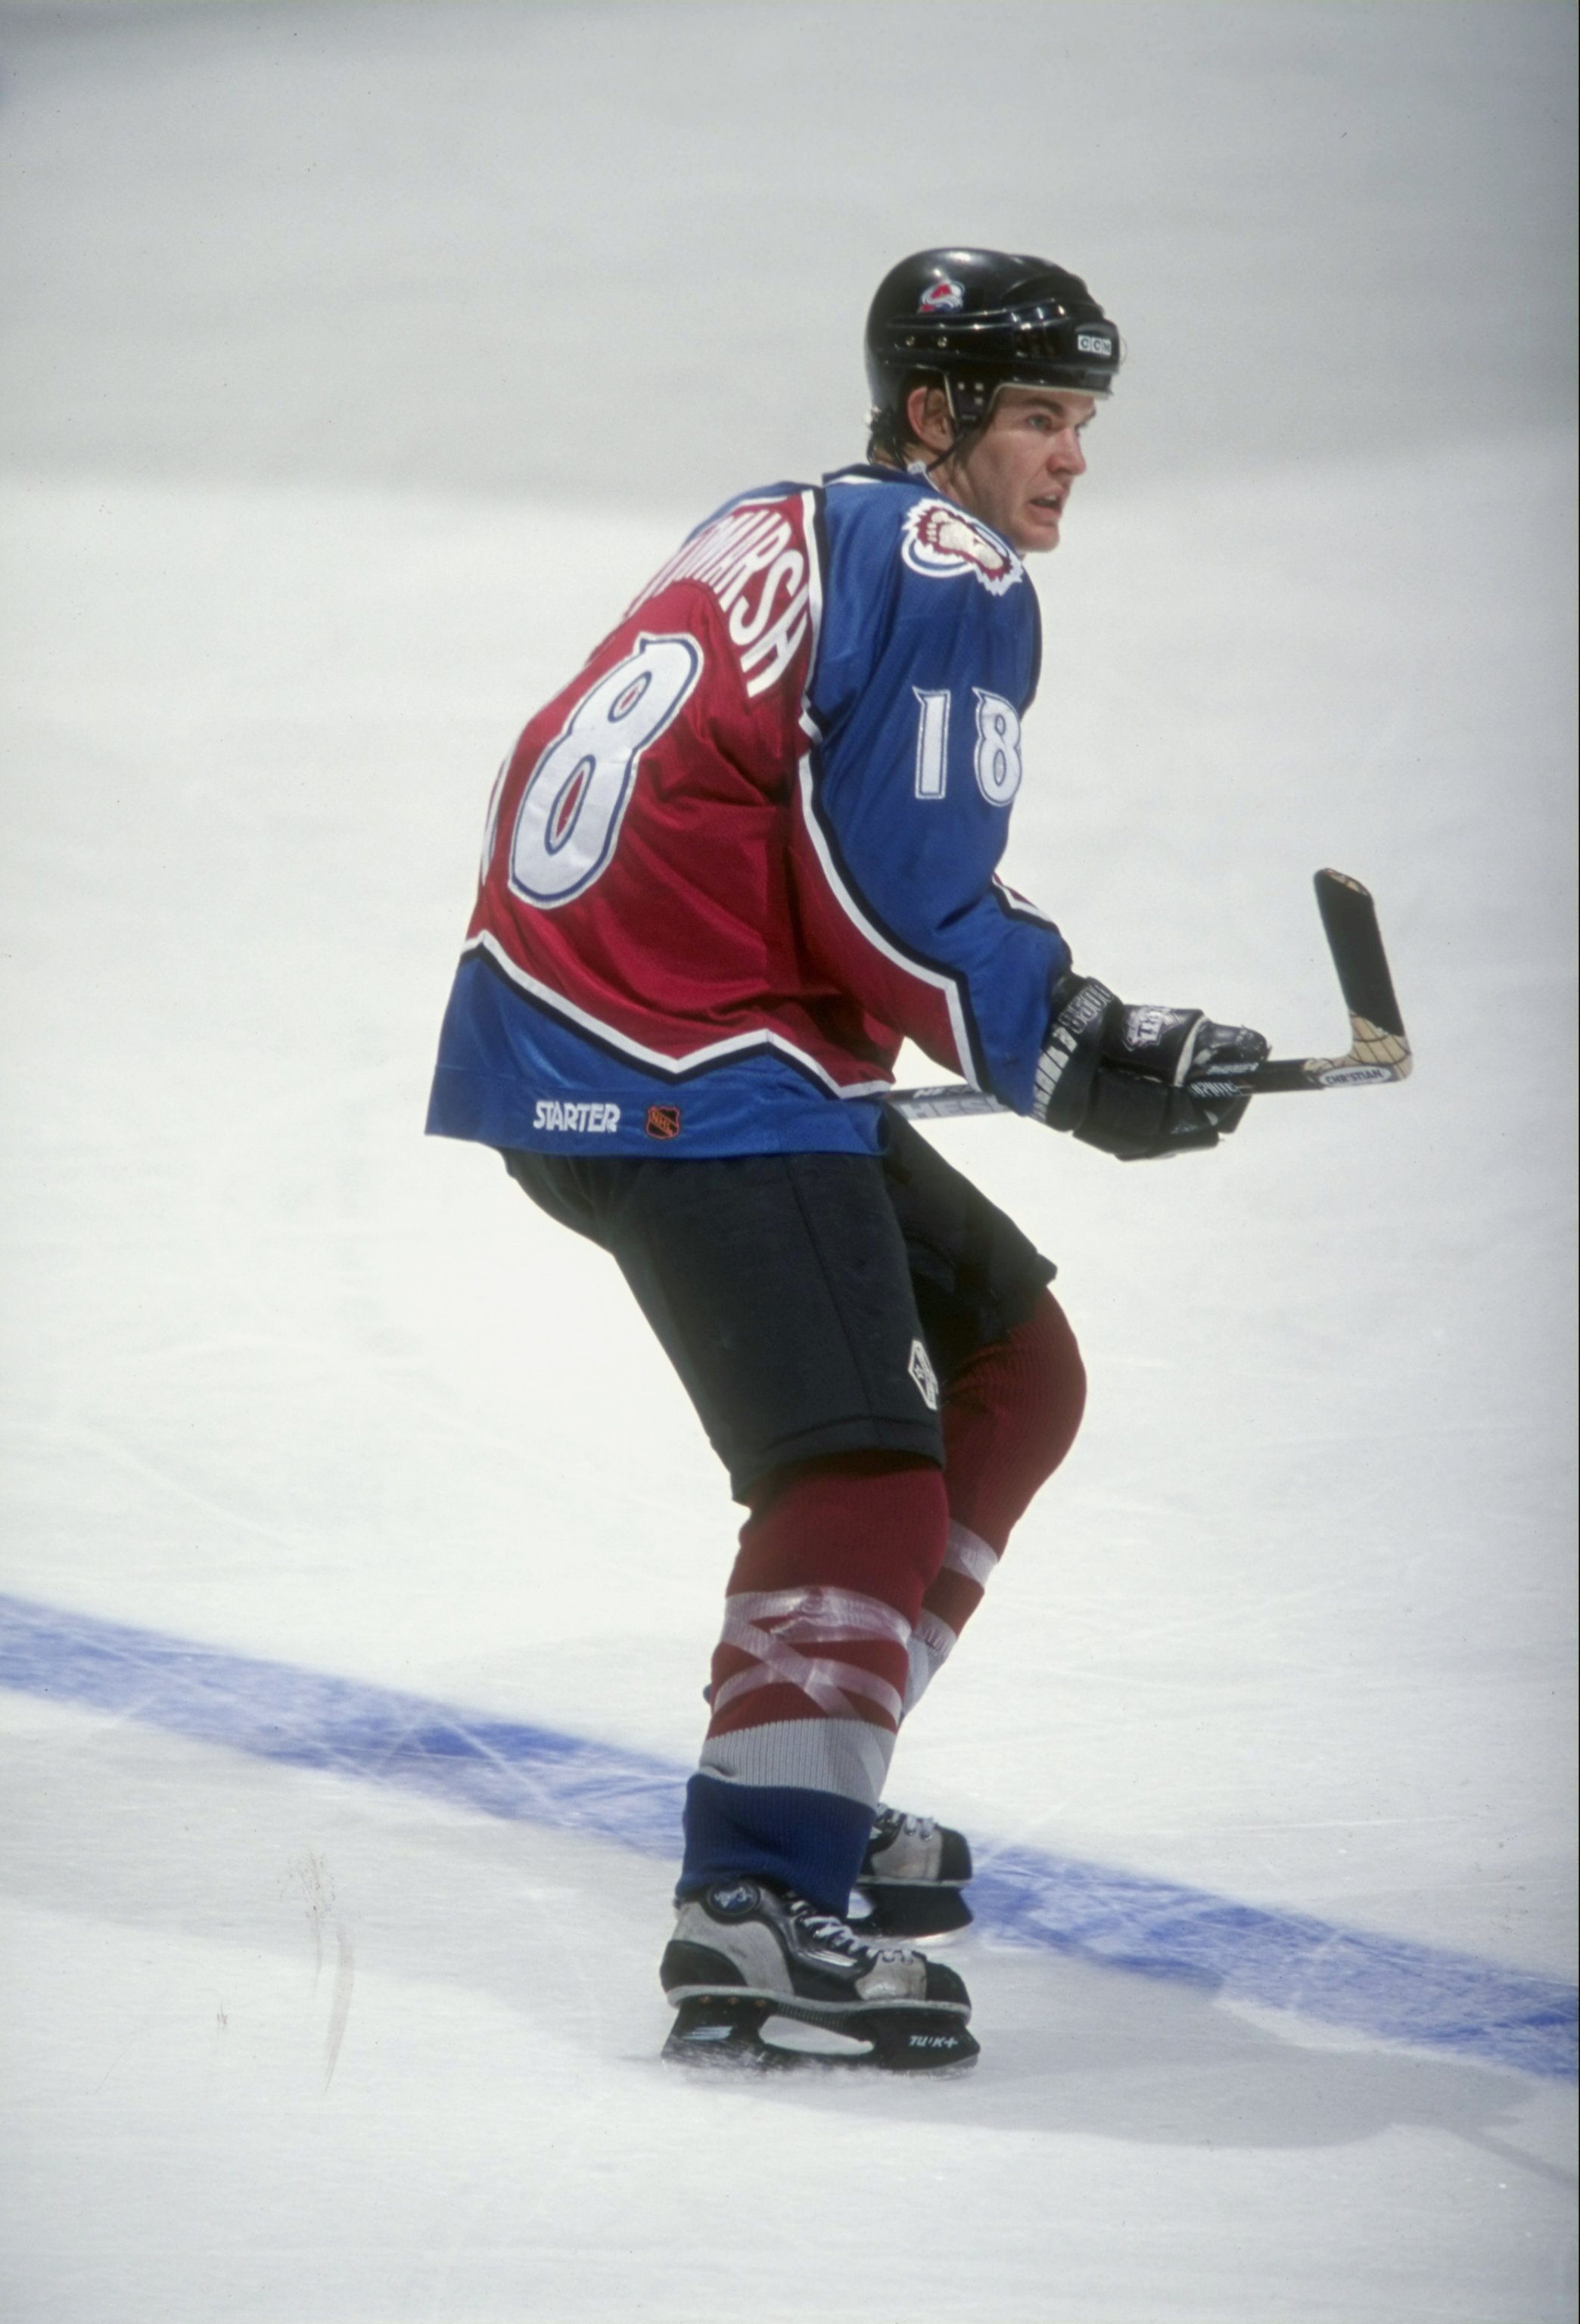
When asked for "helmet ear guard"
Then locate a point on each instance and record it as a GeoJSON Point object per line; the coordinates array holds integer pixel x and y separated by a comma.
{"type": "Point", "coordinates": [976, 320]}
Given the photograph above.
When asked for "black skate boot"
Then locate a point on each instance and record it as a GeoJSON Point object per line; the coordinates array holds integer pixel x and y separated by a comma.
{"type": "Point", "coordinates": [744, 1952]}
{"type": "Point", "coordinates": [911, 1877]}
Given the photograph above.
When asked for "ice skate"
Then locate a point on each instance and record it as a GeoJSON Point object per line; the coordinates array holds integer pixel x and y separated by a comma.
{"type": "Point", "coordinates": [912, 1878]}
{"type": "Point", "coordinates": [744, 1953]}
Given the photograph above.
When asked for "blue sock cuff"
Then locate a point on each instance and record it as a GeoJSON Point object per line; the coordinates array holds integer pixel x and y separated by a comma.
{"type": "Point", "coordinates": [810, 1842]}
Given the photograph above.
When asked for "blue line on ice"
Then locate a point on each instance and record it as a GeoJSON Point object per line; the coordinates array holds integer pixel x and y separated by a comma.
{"type": "Point", "coordinates": [1385, 1987]}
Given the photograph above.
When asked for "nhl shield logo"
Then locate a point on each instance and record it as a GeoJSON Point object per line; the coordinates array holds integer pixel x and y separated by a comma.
{"type": "Point", "coordinates": [940, 542]}
{"type": "Point", "coordinates": [944, 298]}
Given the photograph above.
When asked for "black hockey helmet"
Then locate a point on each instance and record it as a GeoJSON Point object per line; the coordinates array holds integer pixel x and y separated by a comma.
{"type": "Point", "coordinates": [977, 320]}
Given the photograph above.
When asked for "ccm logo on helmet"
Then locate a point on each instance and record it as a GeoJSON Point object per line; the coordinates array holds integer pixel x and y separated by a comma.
{"type": "Point", "coordinates": [1087, 343]}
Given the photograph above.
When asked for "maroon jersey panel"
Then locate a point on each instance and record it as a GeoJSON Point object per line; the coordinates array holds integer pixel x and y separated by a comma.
{"type": "Point", "coordinates": [637, 869]}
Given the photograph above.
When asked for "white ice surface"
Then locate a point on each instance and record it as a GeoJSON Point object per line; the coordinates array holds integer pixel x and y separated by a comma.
{"type": "Point", "coordinates": [498, 2142]}
{"type": "Point", "coordinates": [1294, 1624]}
{"type": "Point", "coordinates": [284, 1376]}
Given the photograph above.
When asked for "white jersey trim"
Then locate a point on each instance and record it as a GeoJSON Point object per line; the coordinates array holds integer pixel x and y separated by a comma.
{"type": "Point", "coordinates": [711, 1053]}
{"type": "Point", "coordinates": [940, 980]}
{"type": "Point", "coordinates": [1021, 907]}
{"type": "Point", "coordinates": [949, 986]}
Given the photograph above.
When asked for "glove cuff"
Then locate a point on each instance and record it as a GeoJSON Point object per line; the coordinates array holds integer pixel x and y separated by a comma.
{"type": "Point", "coordinates": [1072, 1051]}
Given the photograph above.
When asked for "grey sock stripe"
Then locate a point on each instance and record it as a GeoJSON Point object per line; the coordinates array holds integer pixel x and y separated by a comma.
{"type": "Point", "coordinates": [937, 1637]}
{"type": "Point", "coordinates": [847, 1756]}
{"type": "Point", "coordinates": [932, 1643]}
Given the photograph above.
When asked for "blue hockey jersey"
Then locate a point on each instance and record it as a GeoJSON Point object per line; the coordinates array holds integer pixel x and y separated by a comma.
{"type": "Point", "coordinates": [753, 843]}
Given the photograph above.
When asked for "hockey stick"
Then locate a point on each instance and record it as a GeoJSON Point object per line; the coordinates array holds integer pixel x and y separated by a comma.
{"type": "Point", "coordinates": [1378, 1050]}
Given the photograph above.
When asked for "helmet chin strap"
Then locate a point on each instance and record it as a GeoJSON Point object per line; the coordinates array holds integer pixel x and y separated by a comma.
{"type": "Point", "coordinates": [929, 469]}
{"type": "Point", "coordinates": [964, 431]}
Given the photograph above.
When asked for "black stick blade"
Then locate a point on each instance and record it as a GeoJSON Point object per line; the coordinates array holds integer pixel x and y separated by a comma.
{"type": "Point", "coordinates": [1349, 921]}
{"type": "Point", "coordinates": [1380, 1049]}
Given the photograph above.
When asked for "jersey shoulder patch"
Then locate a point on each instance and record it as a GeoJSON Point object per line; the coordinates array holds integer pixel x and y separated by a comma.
{"type": "Point", "coordinates": [941, 542]}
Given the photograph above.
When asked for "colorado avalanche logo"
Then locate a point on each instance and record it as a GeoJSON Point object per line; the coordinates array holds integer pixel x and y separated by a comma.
{"type": "Point", "coordinates": [941, 542]}
{"type": "Point", "coordinates": [944, 298]}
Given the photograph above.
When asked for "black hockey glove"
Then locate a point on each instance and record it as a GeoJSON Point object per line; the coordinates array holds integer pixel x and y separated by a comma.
{"type": "Point", "coordinates": [1140, 1083]}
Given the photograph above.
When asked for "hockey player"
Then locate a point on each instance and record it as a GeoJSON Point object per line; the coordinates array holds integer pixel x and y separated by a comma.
{"type": "Point", "coordinates": [750, 846]}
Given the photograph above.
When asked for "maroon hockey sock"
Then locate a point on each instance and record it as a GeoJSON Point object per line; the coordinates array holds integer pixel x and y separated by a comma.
{"type": "Point", "coordinates": [833, 1562]}
{"type": "Point", "coordinates": [810, 1676]}
{"type": "Point", "coordinates": [1010, 1416]}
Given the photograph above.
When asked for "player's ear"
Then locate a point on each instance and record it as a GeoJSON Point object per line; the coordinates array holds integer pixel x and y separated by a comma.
{"type": "Point", "coordinates": [929, 420]}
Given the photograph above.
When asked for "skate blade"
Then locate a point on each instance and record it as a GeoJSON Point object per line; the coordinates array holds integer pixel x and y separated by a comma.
{"type": "Point", "coordinates": [727, 2036]}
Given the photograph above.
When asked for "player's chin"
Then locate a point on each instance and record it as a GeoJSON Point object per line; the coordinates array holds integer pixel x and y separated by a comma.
{"type": "Point", "coordinates": [1037, 528]}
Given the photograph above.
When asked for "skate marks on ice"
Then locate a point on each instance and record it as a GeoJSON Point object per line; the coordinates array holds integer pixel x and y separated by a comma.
{"type": "Point", "coordinates": [311, 1877]}
{"type": "Point", "coordinates": [127, 1825]}
{"type": "Point", "coordinates": [1361, 1982]}
{"type": "Point", "coordinates": [1392, 1989]}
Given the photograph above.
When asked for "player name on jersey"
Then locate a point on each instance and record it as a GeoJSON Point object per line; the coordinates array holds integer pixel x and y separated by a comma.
{"type": "Point", "coordinates": [728, 556]}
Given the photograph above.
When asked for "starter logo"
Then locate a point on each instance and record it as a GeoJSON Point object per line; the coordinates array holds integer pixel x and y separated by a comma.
{"type": "Point", "coordinates": [560, 1113]}
{"type": "Point", "coordinates": [941, 540]}
{"type": "Point", "coordinates": [944, 298]}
